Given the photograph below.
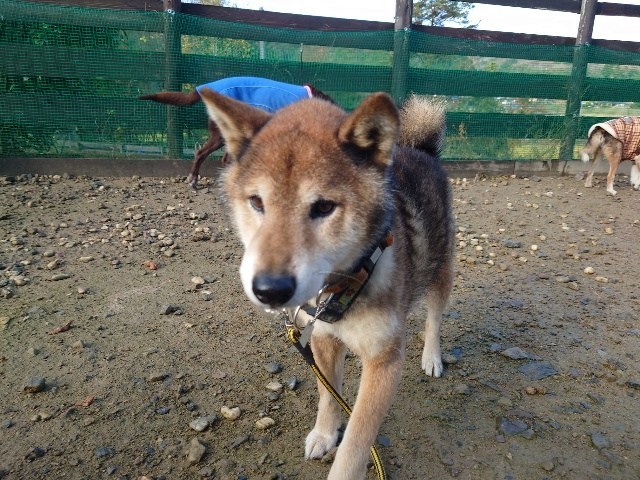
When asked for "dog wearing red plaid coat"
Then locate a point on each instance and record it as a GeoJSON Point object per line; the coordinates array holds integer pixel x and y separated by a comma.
{"type": "Point", "coordinates": [616, 140]}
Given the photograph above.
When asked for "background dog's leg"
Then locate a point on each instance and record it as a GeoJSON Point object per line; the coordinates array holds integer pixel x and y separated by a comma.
{"type": "Point", "coordinates": [436, 300]}
{"type": "Point", "coordinates": [380, 378]}
{"type": "Point", "coordinates": [594, 161]}
{"type": "Point", "coordinates": [613, 152]}
{"type": "Point", "coordinates": [329, 354]}
{"type": "Point", "coordinates": [635, 173]}
{"type": "Point", "coordinates": [213, 143]}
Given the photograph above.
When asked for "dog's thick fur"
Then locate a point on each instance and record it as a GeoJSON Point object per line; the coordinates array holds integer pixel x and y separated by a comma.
{"type": "Point", "coordinates": [311, 189]}
{"type": "Point", "coordinates": [602, 144]}
{"type": "Point", "coordinates": [215, 140]}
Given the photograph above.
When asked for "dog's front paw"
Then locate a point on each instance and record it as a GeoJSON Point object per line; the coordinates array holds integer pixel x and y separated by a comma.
{"type": "Point", "coordinates": [432, 363]}
{"type": "Point", "coordinates": [612, 192]}
{"type": "Point", "coordinates": [318, 444]}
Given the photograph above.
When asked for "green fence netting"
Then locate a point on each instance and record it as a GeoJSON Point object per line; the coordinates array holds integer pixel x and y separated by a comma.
{"type": "Point", "coordinates": [70, 78]}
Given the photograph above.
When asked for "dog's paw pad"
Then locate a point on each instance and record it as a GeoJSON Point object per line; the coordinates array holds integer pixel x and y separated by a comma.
{"type": "Point", "coordinates": [432, 364]}
{"type": "Point", "coordinates": [318, 444]}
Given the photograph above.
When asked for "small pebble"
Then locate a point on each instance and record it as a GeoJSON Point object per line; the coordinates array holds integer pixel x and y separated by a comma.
{"type": "Point", "coordinates": [531, 390]}
{"type": "Point", "coordinates": [60, 276]}
{"type": "Point", "coordinates": [600, 441]}
{"type": "Point", "coordinates": [158, 376]}
{"type": "Point", "coordinates": [274, 387]}
{"type": "Point", "coordinates": [449, 359]}
{"type": "Point", "coordinates": [292, 383]}
{"type": "Point", "coordinates": [273, 367]}
{"type": "Point", "coordinates": [35, 452]}
{"type": "Point", "coordinates": [230, 413]}
{"type": "Point", "coordinates": [102, 452]}
{"type": "Point", "coordinates": [264, 423]}
{"type": "Point", "coordinates": [52, 265]}
{"type": "Point", "coordinates": [462, 389]}
{"type": "Point", "coordinates": [200, 424]}
{"type": "Point", "coordinates": [170, 308]}
{"type": "Point", "coordinates": [207, 295]}
{"type": "Point", "coordinates": [34, 385]}
{"type": "Point", "coordinates": [196, 451]}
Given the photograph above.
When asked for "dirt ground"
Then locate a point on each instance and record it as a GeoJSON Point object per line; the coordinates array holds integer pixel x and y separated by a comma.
{"type": "Point", "coordinates": [124, 330]}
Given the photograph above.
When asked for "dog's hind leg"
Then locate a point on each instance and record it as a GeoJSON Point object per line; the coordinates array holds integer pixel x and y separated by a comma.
{"type": "Point", "coordinates": [594, 161]}
{"type": "Point", "coordinates": [613, 152]}
{"type": "Point", "coordinates": [592, 151]}
{"type": "Point", "coordinates": [213, 143]}
{"type": "Point", "coordinates": [436, 301]}
{"type": "Point", "coordinates": [635, 173]}
{"type": "Point", "coordinates": [329, 354]}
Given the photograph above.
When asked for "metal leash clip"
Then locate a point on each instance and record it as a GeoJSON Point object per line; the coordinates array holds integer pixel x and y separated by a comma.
{"type": "Point", "coordinates": [291, 319]}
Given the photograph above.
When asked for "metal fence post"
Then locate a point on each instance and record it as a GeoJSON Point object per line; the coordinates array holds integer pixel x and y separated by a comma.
{"type": "Point", "coordinates": [173, 51]}
{"type": "Point", "coordinates": [401, 38]}
{"type": "Point", "coordinates": [577, 79]}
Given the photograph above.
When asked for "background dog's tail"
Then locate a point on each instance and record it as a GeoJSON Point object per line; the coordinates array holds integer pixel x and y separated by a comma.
{"type": "Point", "coordinates": [422, 124]}
{"type": "Point", "coordinates": [173, 98]}
{"type": "Point", "coordinates": [595, 140]}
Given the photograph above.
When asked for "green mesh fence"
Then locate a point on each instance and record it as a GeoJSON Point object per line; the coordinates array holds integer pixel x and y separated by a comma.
{"type": "Point", "coordinates": [70, 78]}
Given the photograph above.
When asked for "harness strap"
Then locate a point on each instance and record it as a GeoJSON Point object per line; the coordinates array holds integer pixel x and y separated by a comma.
{"type": "Point", "coordinates": [307, 354]}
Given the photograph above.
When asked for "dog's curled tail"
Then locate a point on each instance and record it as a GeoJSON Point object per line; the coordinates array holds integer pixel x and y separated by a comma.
{"type": "Point", "coordinates": [422, 124]}
{"type": "Point", "coordinates": [174, 98]}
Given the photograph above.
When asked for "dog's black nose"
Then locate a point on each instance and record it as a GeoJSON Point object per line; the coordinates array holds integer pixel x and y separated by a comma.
{"type": "Point", "coordinates": [273, 290]}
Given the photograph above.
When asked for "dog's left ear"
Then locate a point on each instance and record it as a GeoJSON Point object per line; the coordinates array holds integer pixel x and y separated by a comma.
{"type": "Point", "coordinates": [372, 128]}
{"type": "Point", "coordinates": [237, 121]}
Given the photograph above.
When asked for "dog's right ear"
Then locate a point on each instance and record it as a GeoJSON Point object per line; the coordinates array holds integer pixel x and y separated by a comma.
{"type": "Point", "coordinates": [237, 121]}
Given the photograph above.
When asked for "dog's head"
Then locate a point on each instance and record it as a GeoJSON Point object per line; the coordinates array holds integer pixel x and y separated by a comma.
{"type": "Point", "coordinates": [308, 189]}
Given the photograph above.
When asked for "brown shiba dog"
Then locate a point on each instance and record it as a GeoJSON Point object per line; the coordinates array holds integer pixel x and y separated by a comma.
{"type": "Point", "coordinates": [313, 192]}
{"type": "Point", "coordinates": [616, 140]}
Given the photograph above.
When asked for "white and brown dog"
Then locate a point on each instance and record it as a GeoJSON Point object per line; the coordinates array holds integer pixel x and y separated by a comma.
{"type": "Point", "coordinates": [617, 140]}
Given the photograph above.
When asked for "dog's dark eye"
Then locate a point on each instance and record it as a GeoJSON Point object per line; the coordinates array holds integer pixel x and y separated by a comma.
{"type": "Point", "coordinates": [322, 208]}
{"type": "Point", "coordinates": [256, 202]}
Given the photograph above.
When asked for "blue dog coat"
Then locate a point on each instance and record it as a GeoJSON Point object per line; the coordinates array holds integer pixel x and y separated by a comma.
{"type": "Point", "coordinates": [262, 93]}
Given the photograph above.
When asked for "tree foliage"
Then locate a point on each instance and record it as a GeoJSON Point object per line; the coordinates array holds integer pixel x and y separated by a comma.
{"type": "Point", "coordinates": [437, 13]}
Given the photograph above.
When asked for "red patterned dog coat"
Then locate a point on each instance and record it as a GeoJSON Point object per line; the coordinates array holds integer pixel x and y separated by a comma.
{"type": "Point", "coordinates": [625, 129]}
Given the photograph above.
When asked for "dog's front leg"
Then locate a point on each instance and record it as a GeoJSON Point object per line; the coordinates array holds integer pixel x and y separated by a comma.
{"type": "Point", "coordinates": [329, 354]}
{"type": "Point", "coordinates": [380, 377]}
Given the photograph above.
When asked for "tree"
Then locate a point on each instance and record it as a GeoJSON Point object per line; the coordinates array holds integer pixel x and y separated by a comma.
{"type": "Point", "coordinates": [438, 12]}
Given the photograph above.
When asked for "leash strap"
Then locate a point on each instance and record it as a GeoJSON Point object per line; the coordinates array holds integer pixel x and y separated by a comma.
{"type": "Point", "coordinates": [307, 354]}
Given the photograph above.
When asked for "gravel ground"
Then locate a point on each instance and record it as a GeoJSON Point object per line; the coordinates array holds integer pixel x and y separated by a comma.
{"type": "Point", "coordinates": [128, 349]}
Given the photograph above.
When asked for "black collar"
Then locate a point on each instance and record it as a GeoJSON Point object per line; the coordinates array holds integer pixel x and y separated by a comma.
{"type": "Point", "coordinates": [343, 293]}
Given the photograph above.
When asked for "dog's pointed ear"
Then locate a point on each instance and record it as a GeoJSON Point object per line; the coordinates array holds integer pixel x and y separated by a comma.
{"type": "Point", "coordinates": [237, 121]}
{"type": "Point", "coordinates": [372, 128]}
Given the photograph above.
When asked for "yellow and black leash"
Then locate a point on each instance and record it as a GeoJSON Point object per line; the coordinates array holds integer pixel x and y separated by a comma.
{"type": "Point", "coordinates": [307, 354]}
